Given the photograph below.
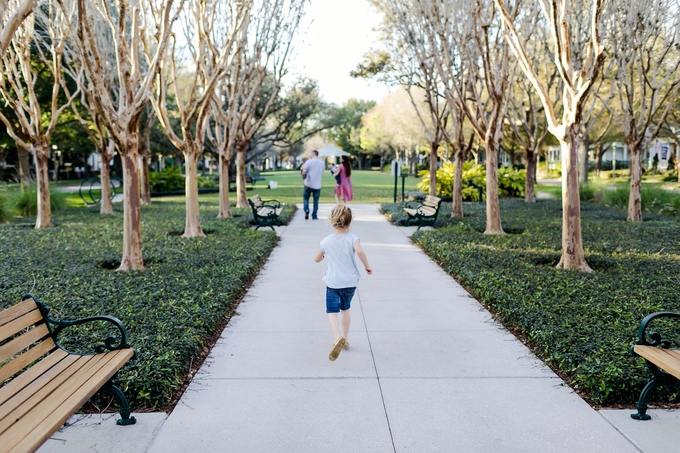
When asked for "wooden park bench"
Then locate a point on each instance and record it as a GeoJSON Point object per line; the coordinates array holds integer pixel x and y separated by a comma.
{"type": "Point", "coordinates": [265, 212]}
{"type": "Point", "coordinates": [41, 383]}
{"type": "Point", "coordinates": [423, 213]}
{"type": "Point", "coordinates": [661, 359]}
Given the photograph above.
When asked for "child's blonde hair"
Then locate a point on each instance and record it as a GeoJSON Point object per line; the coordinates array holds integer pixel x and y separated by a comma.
{"type": "Point", "coordinates": [341, 216]}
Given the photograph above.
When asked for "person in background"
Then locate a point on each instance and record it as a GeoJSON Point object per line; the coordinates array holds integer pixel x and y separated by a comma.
{"type": "Point", "coordinates": [343, 189]}
{"type": "Point", "coordinates": [312, 170]}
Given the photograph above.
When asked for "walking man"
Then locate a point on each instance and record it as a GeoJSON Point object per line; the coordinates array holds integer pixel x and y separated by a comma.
{"type": "Point", "coordinates": [312, 170]}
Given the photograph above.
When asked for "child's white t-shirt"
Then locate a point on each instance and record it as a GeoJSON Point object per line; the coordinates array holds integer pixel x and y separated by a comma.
{"type": "Point", "coordinates": [342, 271]}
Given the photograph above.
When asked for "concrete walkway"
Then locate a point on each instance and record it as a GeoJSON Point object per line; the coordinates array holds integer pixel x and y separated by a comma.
{"type": "Point", "coordinates": [428, 370]}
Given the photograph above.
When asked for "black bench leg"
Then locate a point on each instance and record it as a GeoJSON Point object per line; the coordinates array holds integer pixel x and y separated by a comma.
{"type": "Point", "coordinates": [124, 407]}
{"type": "Point", "coordinates": [641, 405]}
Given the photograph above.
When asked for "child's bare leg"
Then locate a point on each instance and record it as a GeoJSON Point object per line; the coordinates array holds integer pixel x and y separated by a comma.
{"type": "Point", "coordinates": [345, 319]}
{"type": "Point", "coordinates": [333, 322]}
{"type": "Point", "coordinates": [337, 199]}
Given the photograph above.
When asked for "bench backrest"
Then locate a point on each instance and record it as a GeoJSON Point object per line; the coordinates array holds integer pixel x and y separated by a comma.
{"type": "Point", "coordinates": [432, 201]}
{"type": "Point", "coordinates": [255, 201]}
{"type": "Point", "coordinates": [24, 338]}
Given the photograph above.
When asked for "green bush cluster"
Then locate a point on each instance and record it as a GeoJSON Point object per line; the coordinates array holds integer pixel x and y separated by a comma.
{"type": "Point", "coordinates": [170, 309]}
{"type": "Point", "coordinates": [580, 324]}
{"type": "Point", "coordinates": [511, 182]}
{"type": "Point", "coordinates": [166, 180]}
{"type": "Point", "coordinates": [654, 200]}
{"type": "Point", "coordinates": [25, 203]}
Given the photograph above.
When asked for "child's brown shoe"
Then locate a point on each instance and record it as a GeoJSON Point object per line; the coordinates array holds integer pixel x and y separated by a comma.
{"type": "Point", "coordinates": [337, 347]}
{"type": "Point", "coordinates": [346, 345]}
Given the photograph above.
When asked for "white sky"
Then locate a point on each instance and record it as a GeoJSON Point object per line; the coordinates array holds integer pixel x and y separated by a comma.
{"type": "Point", "coordinates": [333, 37]}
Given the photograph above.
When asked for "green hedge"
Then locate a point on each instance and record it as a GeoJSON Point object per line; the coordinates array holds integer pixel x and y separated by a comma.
{"type": "Point", "coordinates": [511, 182]}
{"type": "Point", "coordinates": [170, 309]}
{"type": "Point", "coordinates": [580, 324]}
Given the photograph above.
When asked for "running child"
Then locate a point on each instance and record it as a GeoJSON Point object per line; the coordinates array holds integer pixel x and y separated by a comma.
{"type": "Point", "coordinates": [342, 275]}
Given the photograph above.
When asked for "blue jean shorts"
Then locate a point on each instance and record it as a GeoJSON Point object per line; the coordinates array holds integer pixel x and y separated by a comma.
{"type": "Point", "coordinates": [338, 299]}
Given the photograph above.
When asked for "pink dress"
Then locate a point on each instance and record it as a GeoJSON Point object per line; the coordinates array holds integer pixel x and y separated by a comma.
{"type": "Point", "coordinates": [344, 189]}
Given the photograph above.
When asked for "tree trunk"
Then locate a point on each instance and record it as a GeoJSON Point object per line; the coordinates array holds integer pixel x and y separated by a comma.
{"type": "Point", "coordinates": [457, 195]}
{"type": "Point", "coordinates": [132, 213]}
{"type": "Point", "coordinates": [635, 197]}
{"type": "Point", "coordinates": [241, 199]}
{"type": "Point", "coordinates": [145, 148]}
{"type": "Point", "coordinates": [24, 167]}
{"type": "Point", "coordinates": [192, 226]}
{"type": "Point", "coordinates": [44, 216]}
{"type": "Point", "coordinates": [225, 208]}
{"type": "Point", "coordinates": [573, 257]}
{"type": "Point", "coordinates": [529, 192]}
{"type": "Point", "coordinates": [583, 152]}
{"type": "Point", "coordinates": [434, 146]}
{"type": "Point", "coordinates": [105, 205]}
{"type": "Point", "coordinates": [493, 211]}
{"type": "Point", "coordinates": [598, 162]}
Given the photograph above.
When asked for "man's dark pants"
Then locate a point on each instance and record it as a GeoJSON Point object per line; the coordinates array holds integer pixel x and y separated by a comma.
{"type": "Point", "coordinates": [305, 200]}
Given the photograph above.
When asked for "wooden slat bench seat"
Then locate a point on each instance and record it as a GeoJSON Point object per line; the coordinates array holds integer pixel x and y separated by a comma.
{"type": "Point", "coordinates": [265, 212]}
{"type": "Point", "coordinates": [423, 213]}
{"type": "Point", "coordinates": [662, 360]}
{"type": "Point", "coordinates": [42, 384]}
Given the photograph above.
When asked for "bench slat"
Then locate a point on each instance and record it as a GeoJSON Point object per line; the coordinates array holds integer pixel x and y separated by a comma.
{"type": "Point", "coordinates": [20, 403]}
{"type": "Point", "coordinates": [432, 200]}
{"type": "Point", "coordinates": [13, 312]}
{"type": "Point", "coordinates": [20, 362]}
{"type": "Point", "coordinates": [667, 359]}
{"type": "Point", "coordinates": [50, 416]}
{"type": "Point", "coordinates": [15, 346]}
{"type": "Point", "coordinates": [20, 323]}
{"type": "Point", "coordinates": [37, 370]}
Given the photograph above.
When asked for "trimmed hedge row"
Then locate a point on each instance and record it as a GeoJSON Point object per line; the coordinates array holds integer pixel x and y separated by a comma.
{"type": "Point", "coordinates": [580, 324]}
{"type": "Point", "coordinates": [170, 309]}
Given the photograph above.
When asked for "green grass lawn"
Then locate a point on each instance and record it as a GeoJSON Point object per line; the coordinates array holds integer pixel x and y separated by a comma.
{"type": "Point", "coordinates": [369, 186]}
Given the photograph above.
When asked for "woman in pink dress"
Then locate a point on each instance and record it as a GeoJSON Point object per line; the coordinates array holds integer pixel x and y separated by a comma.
{"type": "Point", "coordinates": [343, 189]}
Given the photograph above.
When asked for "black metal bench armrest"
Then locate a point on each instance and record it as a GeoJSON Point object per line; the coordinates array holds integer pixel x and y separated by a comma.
{"type": "Point", "coordinates": [55, 327]}
{"type": "Point", "coordinates": [271, 203]}
{"type": "Point", "coordinates": [653, 338]}
{"type": "Point", "coordinates": [412, 204]}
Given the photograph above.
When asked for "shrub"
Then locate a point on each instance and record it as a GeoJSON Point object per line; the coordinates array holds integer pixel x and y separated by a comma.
{"type": "Point", "coordinates": [511, 182]}
{"type": "Point", "coordinates": [166, 180]}
{"type": "Point", "coordinates": [170, 310]}
{"type": "Point", "coordinates": [208, 182]}
{"type": "Point", "coordinates": [5, 211]}
{"type": "Point", "coordinates": [26, 203]}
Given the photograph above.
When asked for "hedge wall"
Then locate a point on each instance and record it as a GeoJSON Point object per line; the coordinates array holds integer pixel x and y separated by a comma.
{"type": "Point", "coordinates": [170, 309]}
{"type": "Point", "coordinates": [580, 324]}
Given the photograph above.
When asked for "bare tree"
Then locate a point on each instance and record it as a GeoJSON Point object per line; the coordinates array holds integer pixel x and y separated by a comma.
{"type": "Point", "coordinates": [272, 24]}
{"type": "Point", "coordinates": [138, 31]}
{"type": "Point", "coordinates": [474, 65]}
{"type": "Point", "coordinates": [12, 14]}
{"type": "Point", "coordinates": [147, 125]}
{"type": "Point", "coordinates": [645, 70]}
{"type": "Point", "coordinates": [409, 61]}
{"type": "Point", "coordinates": [40, 37]}
{"type": "Point", "coordinates": [92, 122]}
{"type": "Point", "coordinates": [578, 75]}
{"type": "Point", "coordinates": [208, 51]}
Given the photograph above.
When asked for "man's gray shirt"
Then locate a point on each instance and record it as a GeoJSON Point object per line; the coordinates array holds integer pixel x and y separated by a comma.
{"type": "Point", "coordinates": [314, 168]}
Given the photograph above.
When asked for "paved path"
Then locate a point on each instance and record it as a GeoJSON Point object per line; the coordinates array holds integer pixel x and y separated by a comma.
{"type": "Point", "coordinates": [427, 369]}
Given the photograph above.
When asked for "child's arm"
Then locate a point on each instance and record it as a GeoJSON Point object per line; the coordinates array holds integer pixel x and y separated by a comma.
{"type": "Point", "coordinates": [319, 256]}
{"type": "Point", "coordinates": [362, 256]}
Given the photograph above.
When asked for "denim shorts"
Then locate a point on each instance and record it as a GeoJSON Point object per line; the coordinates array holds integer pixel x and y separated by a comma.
{"type": "Point", "coordinates": [338, 299]}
